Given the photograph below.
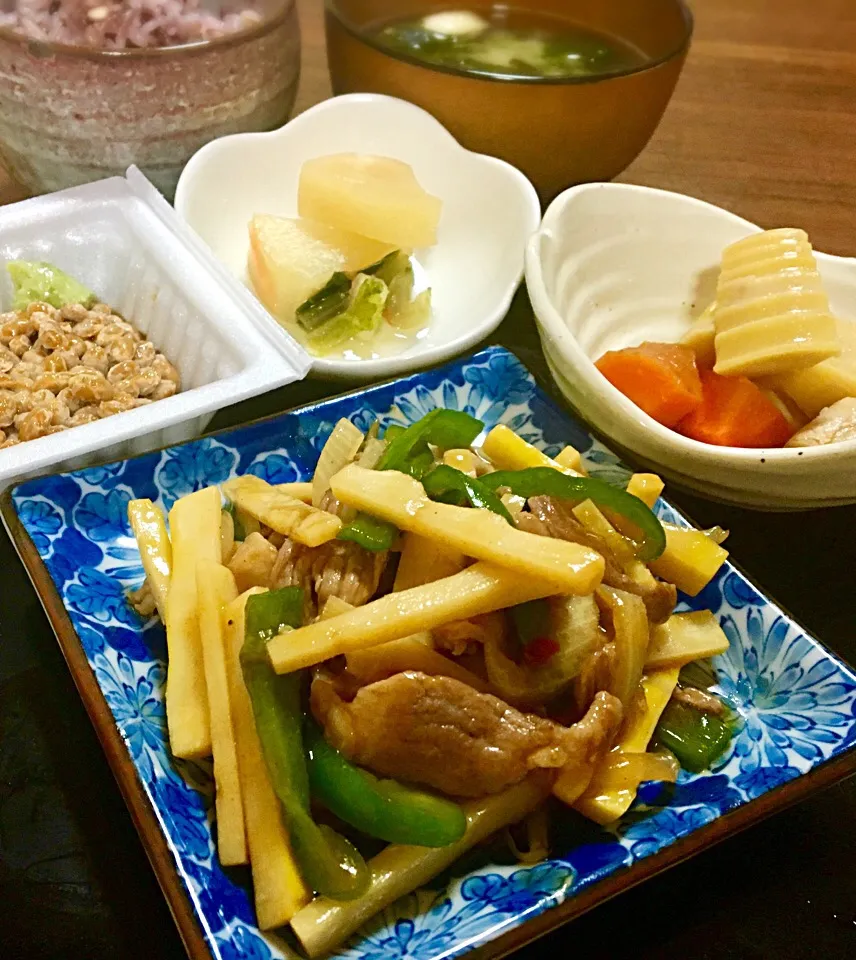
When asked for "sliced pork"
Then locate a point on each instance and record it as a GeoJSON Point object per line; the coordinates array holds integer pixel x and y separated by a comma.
{"type": "Point", "coordinates": [441, 733]}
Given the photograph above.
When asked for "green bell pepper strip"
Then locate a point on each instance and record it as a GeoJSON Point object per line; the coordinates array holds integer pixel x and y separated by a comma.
{"type": "Point", "coordinates": [392, 431]}
{"type": "Point", "coordinates": [384, 809]}
{"type": "Point", "coordinates": [443, 428]}
{"type": "Point", "coordinates": [449, 485]}
{"type": "Point", "coordinates": [419, 464]}
{"type": "Point", "coordinates": [329, 863]}
{"type": "Point", "coordinates": [369, 532]}
{"type": "Point", "coordinates": [531, 620]}
{"type": "Point", "coordinates": [408, 451]}
{"type": "Point", "coordinates": [545, 481]}
{"type": "Point", "coordinates": [695, 737]}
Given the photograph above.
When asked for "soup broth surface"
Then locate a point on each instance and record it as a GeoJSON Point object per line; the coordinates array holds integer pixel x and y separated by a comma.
{"type": "Point", "coordinates": [509, 43]}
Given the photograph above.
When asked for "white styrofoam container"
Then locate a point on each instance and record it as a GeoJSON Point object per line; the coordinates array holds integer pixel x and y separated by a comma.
{"type": "Point", "coordinates": [121, 239]}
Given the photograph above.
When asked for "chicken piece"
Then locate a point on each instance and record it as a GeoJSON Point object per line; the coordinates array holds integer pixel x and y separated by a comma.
{"type": "Point", "coordinates": [831, 425]}
{"type": "Point", "coordinates": [552, 518]}
{"type": "Point", "coordinates": [337, 568]}
{"type": "Point", "coordinates": [252, 562]}
{"type": "Point", "coordinates": [441, 733]}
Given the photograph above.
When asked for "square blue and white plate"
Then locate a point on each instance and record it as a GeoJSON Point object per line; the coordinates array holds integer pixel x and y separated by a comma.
{"type": "Point", "coordinates": [796, 701]}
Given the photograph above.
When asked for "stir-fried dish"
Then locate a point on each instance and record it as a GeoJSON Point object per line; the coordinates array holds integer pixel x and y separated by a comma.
{"type": "Point", "coordinates": [428, 644]}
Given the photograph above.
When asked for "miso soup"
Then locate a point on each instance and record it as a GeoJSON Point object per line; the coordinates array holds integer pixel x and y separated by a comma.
{"type": "Point", "coordinates": [509, 43]}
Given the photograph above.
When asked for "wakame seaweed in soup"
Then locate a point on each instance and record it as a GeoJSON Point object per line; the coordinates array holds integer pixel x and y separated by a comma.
{"type": "Point", "coordinates": [509, 43]}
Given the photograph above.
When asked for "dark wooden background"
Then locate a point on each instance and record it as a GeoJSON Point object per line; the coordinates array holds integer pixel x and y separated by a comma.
{"type": "Point", "coordinates": [763, 122]}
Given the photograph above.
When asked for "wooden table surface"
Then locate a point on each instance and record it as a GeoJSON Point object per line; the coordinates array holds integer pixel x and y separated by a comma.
{"type": "Point", "coordinates": [763, 121]}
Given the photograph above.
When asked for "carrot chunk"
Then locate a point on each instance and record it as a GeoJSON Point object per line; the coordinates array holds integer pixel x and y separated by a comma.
{"type": "Point", "coordinates": [661, 378]}
{"type": "Point", "coordinates": [734, 412]}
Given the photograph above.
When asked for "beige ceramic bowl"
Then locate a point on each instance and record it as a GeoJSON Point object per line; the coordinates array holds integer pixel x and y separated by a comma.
{"type": "Point", "coordinates": [69, 115]}
{"type": "Point", "coordinates": [613, 265]}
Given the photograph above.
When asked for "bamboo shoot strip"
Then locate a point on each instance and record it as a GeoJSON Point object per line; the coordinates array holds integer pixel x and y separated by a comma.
{"type": "Point", "coordinates": [194, 523]}
{"type": "Point", "coordinates": [397, 870]}
{"type": "Point", "coordinates": [216, 588]}
{"type": "Point", "coordinates": [398, 656]}
{"type": "Point", "coordinates": [479, 589]}
{"type": "Point", "coordinates": [423, 561]}
{"type": "Point", "coordinates": [281, 512]}
{"type": "Point", "coordinates": [299, 490]}
{"type": "Point", "coordinates": [508, 451]}
{"type": "Point", "coordinates": [409, 653]}
{"type": "Point", "coordinates": [149, 526]}
{"type": "Point", "coordinates": [685, 637]}
{"type": "Point", "coordinates": [401, 500]}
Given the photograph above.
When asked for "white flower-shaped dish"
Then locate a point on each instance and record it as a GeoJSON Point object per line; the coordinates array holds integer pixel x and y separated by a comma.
{"type": "Point", "coordinates": [490, 210]}
{"type": "Point", "coordinates": [613, 265]}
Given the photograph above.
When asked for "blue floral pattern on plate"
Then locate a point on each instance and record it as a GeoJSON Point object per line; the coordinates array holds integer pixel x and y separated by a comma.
{"type": "Point", "coordinates": [796, 702]}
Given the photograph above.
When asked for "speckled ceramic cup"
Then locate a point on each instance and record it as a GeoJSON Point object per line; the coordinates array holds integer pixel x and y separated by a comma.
{"type": "Point", "coordinates": [69, 115]}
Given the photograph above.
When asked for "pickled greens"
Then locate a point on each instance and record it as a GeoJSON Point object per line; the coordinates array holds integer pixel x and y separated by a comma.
{"type": "Point", "coordinates": [347, 307]}
{"type": "Point", "coordinates": [330, 301]}
{"type": "Point", "coordinates": [361, 317]}
{"type": "Point", "coordinates": [403, 309]}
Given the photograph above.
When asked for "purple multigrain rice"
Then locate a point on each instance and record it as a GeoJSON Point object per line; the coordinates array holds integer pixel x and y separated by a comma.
{"type": "Point", "coordinates": [128, 24]}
